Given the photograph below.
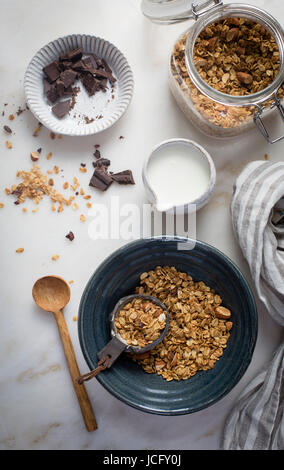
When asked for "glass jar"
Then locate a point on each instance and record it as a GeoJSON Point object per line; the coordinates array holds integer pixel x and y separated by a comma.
{"type": "Point", "coordinates": [213, 111]}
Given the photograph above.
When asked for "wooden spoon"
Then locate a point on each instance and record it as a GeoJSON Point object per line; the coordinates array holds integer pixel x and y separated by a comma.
{"type": "Point", "coordinates": [52, 293]}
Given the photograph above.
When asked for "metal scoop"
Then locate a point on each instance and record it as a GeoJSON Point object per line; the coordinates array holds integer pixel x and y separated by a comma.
{"type": "Point", "coordinates": [109, 354]}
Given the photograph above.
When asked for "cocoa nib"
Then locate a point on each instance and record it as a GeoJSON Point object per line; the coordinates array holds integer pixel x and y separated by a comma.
{"type": "Point", "coordinates": [70, 236]}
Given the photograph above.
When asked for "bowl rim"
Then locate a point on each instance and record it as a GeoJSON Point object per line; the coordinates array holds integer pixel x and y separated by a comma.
{"type": "Point", "coordinates": [245, 364]}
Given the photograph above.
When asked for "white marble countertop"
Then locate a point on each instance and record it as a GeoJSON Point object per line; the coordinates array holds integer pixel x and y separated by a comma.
{"type": "Point", "coordinates": [38, 407]}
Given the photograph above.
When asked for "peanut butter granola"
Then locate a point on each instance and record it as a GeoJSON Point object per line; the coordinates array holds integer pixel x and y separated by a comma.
{"type": "Point", "coordinates": [140, 322]}
{"type": "Point", "coordinates": [199, 328]}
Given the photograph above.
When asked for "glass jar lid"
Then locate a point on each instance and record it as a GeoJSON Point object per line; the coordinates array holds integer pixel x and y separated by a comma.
{"type": "Point", "coordinates": [176, 11]}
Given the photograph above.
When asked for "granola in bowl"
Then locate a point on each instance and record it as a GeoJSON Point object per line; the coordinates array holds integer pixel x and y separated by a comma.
{"type": "Point", "coordinates": [199, 327]}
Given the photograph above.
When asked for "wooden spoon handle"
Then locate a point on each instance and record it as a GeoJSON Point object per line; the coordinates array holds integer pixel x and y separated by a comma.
{"type": "Point", "coordinates": [80, 390]}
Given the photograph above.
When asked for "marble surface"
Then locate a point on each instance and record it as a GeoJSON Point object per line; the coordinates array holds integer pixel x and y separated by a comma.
{"type": "Point", "coordinates": [38, 407]}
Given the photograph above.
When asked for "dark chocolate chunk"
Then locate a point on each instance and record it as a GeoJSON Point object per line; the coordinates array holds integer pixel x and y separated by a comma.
{"type": "Point", "coordinates": [100, 180]}
{"type": "Point", "coordinates": [52, 94]}
{"type": "Point", "coordinates": [52, 71]}
{"type": "Point", "coordinates": [106, 66]}
{"type": "Point", "coordinates": [73, 55]}
{"type": "Point", "coordinates": [99, 62]}
{"type": "Point", "coordinates": [61, 109]}
{"type": "Point", "coordinates": [123, 177]}
{"type": "Point", "coordinates": [103, 73]}
{"type": "Point", "coordinates": [103, 84]}
{"type": "Point", "coordinates": [7, 129]}
{"type": "Point", "coordinates": [101, 161]}
{"type": "Point", "coordinates": [93, 59]}
{"type": "Point", "coordinates": [68, 77]}
{"type": "Point", "coordinates": [79, 65]}
{"type": "Point", "coordinates": [90, 83]}
{"type": "Point", "coordinates": [97, 154]}
{"type": "Point", "coordinates": [66, 64]}
{"type": "Point", "coordinates": [69, 91]}
{"type": "Point", "coordinates": [46, 85]}
{"type": "Point", "coordinates": [60, 88]}
{"type": "Point", "coordinates": [70, 236]}
{"type": "Point", "coordinates": [84, 64]}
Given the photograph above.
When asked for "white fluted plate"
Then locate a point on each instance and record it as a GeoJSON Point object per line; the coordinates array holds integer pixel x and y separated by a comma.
{"type": "Point", "coordinates": [104, 108]}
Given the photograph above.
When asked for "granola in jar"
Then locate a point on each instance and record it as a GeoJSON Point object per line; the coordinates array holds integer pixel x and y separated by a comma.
{"type": "Point", "coordinates": [234, 56]}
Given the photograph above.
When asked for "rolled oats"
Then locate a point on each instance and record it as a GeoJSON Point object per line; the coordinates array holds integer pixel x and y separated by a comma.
{"type": "Point", "coordinates": [196, 337]}
{"type": "Point", "coordinates": [140, 322]}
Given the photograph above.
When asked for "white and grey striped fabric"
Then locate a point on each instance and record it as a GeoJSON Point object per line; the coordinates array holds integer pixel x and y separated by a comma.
{"type": "Point", "coordinates": [257, 210]}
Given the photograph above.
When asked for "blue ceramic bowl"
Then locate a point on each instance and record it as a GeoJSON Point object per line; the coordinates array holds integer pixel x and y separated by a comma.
{"type": "Point", "coordinates": [118, 276]}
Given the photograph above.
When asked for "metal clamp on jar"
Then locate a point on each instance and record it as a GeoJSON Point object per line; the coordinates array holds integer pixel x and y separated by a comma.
{"type": "Point", "coordinates": [200, 74]}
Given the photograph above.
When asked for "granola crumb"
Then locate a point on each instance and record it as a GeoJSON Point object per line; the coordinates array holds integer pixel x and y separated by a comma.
{"type": "Point", "coordinates": [71, 282]}
{"type": "Point", "coordinates": [34, 156]}
{"type": "Point", "coordinates": [20, 250]}
{"type": "Point", "coordinates": [25, 209]}
{"type": "Point", "coordinates": [49, 155]}
{"type": "Point", "coordinates": [11, 117]}
{"type": "Point", "coordinates": [8, 144]}
{"type": "Point", "coordinates": [75, 318]}
{"type": "Point", "coordinates": [266, 157]}
{"type": "Point", "coordinates": [55, 257]}
{"type": "Point", "coordinates": [37, 130]}
{"type": "Point", "coordinates": [1, 205]}
{"type": "Point", "coordinates": [83, 218]}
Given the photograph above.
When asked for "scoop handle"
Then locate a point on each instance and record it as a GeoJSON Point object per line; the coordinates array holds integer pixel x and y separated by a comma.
{"type": "Point", "coordinates": [107, 356]}
{"type": "Point", "coordinates": [80, 390]}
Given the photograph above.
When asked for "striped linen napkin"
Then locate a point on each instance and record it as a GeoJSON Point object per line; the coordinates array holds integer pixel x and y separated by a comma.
{"type": "Point", "coordinates": [257, 210]}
